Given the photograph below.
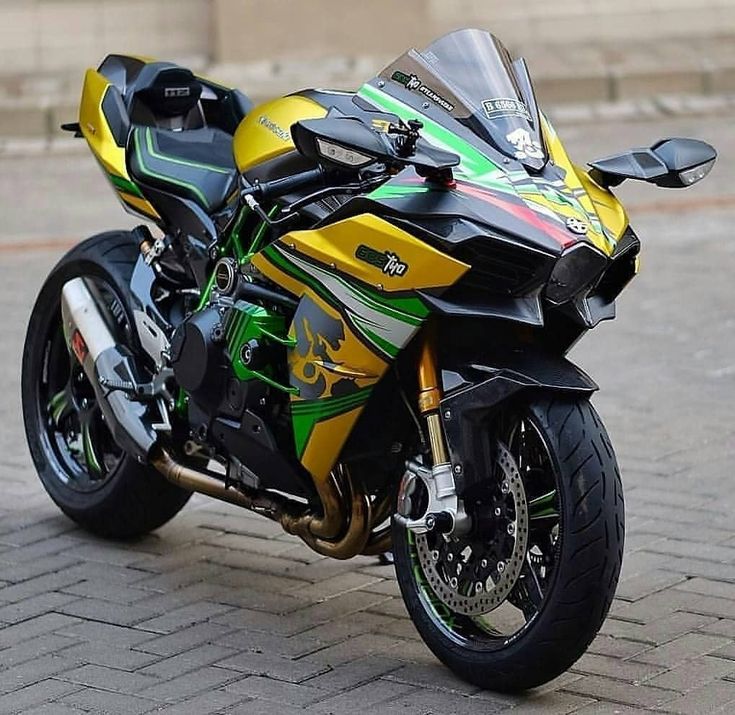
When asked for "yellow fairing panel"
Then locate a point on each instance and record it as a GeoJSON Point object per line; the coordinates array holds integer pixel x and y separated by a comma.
{"type": "Point", "coordinates": [352, 321]}
{"type": "Point", "coordinates": [94, 125]}
{"type": "Point", "coordinates": [97, 132]}
{"type": "Point", "coordinates": [596, 201]}
{"type": "Point", "coordinates": [265, 133]}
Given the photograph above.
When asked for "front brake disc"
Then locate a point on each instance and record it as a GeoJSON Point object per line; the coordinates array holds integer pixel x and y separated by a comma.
{"type": "Point", "coordinates": [474, 575]}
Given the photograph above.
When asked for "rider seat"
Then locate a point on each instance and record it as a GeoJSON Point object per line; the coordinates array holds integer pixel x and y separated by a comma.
{"type": "Point", "coordinates": [178, 129]}
{"type": "Point", "coordinates": [196, 164]}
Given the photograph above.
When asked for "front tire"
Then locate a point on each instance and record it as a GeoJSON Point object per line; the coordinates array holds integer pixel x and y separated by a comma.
{"type": "Point", "coordinates": [582, 549]}
{"type": "Point", "coordinates": [92, 481]}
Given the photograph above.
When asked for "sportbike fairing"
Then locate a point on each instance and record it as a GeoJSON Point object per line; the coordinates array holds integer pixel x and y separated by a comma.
{"type": "Point", "coordinates": [514, 174]}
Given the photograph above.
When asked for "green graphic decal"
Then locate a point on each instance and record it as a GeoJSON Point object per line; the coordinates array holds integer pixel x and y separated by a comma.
{"type": "Point", "coordinates": [385, 322]}
{"type": "Point", "coordinates": [124, 185]}
{"type": "Point", "coordinates": [307, 413]}
{"type": "Point", "coordinates": [475, 168]}
{"type": "Point", "coordinates": [168, 179]}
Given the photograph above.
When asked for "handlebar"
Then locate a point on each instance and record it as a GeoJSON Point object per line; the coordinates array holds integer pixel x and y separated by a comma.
{"type": "Point", "coordinates": [280, 187]}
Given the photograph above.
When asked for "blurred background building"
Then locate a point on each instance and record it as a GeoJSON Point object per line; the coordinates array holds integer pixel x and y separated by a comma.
{"type": "Point", "coordinates": [579, 50]}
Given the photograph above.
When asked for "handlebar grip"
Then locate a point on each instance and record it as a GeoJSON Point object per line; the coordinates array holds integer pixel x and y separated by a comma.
{"type": "Point", "coordinates": [279, 187]}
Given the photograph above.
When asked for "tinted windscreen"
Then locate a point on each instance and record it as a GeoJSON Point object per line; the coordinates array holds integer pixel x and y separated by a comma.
{"type": "Point", "coordinates": [470, 75]}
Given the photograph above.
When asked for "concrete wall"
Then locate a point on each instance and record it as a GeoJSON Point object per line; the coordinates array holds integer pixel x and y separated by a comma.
{"type": "Point", "coordinates": [59, 36]}
{"type": "Point", "coordinates": [56, 36]}
{"type": "Point", "coordinates": [578, 50]}
{"type": "Point", "coordinates": [246, 30]}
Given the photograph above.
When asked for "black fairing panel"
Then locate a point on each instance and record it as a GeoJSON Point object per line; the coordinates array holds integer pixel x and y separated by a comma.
{"type": "Point", "coordinates": [483, 387]}
{"type": "Point", "coordinates": [113, 107]}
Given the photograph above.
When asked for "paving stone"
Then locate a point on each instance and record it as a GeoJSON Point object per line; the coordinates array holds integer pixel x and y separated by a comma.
{"type": "Point", "coordinates": [425, 701]}
{"type": "Point", "coordinates": [15, 573]}
{"type": "Point", "coordinates": [29, 672]}
{"type": "Point", "coordinates": [276, 667]}
{"type": "Point", "coordinates": [683, 648]}
{"type": "Point", "coordinates": [658, 631]}
{"type": "Point", "coordinates": [358, 623]}
{"type": "Point", "coordinates": [46, 623]}
{"type": "Point", "coordinates": [354, 648]}
{"type": "Point", "coordinates": [95, 609]}
{"type": "Point", "coordinates": [266, 707]}
{"type": "Point", "coordinates": [109, 654]}
{"type": "Point", "coordinates": [189, 660]}
{"type": "Point", "coordinates": [211, 701]}
{"type": "Point", "coordinates": [34, 606]}
{"type": "Point", "coordinates": [34, 648]}
{"type": "Point", "coordinates": [621, 692]}
{"type": "Point", "coordinates": [707, 587]}
{"type": "Point", "coordinates": [250, 640]}
{"type": "Point", "coordinates": [347, 676]}
{"type": "Point", "coordinates": [367, 696]}
{"type": "Point", "coordinates": [191, 683]}
{"type": "Point", "coordinates": [721, 627]}
{"type": "Point", "coordinates": [552, 703]}
{"type": "Point", "coordinates": [647, 583]}
{"type": "Point", "coordinates": [112, 592]}
{"type": "Point", "coordinates": [100, 632]}
{"type": "Point", "coordinates": [24, 698]}
{"type": "Point", "coordinates": [55, 581]}
{"type": "Point", "coordinates": [184, 639]}
{"type": "Point", "coordinates": [184, 616]}
{"type": "Point", "coordinates": [627, 670]}
{"type": "Point", "coordinates": [278, 691]}
{"type": "Point", "coordinates": [715, 697]}
{"type": "Point", "coordinates": [54, 709]}
{"type": "Point", "coordinates": [336, 586]}
{"type": "Point", "coordinates": [104, 678]}
{"type": "Point", "coordinates": [694, 674]}
{"type": "Point", "coordinates": [617, 647]}
{"type": "Point", "coordinates": [103, 702]}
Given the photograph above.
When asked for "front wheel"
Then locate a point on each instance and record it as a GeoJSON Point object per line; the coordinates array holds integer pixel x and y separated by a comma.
{"type": "Point", "coordinates": [516, 602]}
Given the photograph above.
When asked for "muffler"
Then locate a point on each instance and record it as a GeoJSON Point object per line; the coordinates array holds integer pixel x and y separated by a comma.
{"type": "Point", "coordinates": [109, 367]}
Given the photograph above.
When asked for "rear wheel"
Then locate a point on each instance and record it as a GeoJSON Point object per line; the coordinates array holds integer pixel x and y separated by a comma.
{"type": "Point", "coordinates": [81, 467]}
{"type": "Point", "coordinates": [516, 602]}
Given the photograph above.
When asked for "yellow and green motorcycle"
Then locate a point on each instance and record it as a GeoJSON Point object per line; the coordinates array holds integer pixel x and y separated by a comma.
{"type": "Point", "coordinates": [349, 312]}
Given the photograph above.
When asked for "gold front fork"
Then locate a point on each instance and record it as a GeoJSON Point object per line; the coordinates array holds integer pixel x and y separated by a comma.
{"type": "Point", "coordinates": [430, 396]}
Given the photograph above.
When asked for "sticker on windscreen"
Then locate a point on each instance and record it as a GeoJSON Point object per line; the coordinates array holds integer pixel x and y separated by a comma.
{"type": "Point", "coordinates": [505, 107]}
{"type": "Point", "coordinates": [415, 84]}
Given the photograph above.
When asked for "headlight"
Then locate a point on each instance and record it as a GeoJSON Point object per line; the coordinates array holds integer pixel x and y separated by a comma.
{"type": "Point", "coordinates": [341, 154]}
{"type": "Point", "coordinates": [577, 268]}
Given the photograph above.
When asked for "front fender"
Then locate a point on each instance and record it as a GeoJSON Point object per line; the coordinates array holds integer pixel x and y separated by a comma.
{"type": "Point", "coordinates": [474, 391]}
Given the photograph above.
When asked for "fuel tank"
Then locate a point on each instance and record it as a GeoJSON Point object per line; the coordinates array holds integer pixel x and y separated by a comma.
{"type": "Point", "coordinates": [265, 133]}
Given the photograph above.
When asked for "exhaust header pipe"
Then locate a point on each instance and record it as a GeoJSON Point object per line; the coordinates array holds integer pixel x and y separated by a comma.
{"type": "Point", "coordinates": [107, 365]}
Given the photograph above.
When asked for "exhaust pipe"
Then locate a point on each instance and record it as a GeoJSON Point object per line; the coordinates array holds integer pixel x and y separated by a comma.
{"type": "Point", "coordinates": [111, 370]}
{"type": "Point", "coordinates": [109, 367]}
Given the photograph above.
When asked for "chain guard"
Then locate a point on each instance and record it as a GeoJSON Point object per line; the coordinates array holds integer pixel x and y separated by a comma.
{"type": "Point", "coordinates": [495, 566]}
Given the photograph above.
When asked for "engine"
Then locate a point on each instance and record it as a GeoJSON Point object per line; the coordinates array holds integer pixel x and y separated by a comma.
{"type": "Point", "coordinates": [227, 358]}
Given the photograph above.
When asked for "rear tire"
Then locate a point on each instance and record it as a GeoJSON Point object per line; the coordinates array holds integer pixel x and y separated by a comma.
{"type": "Point", "coordinates": [588, 553]}
{"type": "Point", "coordinates": [132, 499]}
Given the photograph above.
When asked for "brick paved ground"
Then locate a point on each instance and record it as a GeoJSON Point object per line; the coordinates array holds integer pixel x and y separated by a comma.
{"type": "Point", "coordinates": [219, 612]}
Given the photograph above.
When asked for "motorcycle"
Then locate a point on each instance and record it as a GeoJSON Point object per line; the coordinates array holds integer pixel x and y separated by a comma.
{"type": "Point", "coordinates": [351, 316]}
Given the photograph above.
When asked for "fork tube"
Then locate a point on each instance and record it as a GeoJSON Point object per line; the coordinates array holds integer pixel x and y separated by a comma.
{"type": "Point", "coordinates": [429, 397]}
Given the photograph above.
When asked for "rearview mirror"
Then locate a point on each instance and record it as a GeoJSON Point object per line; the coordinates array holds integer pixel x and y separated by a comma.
{"type": "Point", "coordinates": [350, 143]}
{"type": "Point", "coordinates": [671, 163]}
